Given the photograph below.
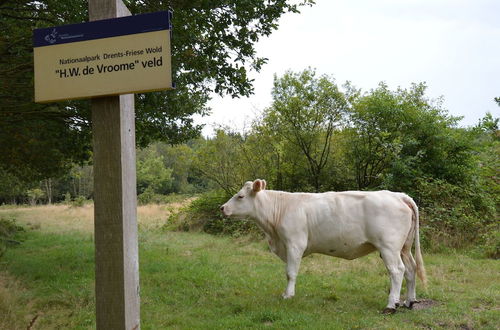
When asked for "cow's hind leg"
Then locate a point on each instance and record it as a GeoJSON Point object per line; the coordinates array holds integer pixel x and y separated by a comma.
{"type": "Point", "coordinates": [410, 276]}
{"type": "Point", "coordinates": [396, 269]}
{"type": "Point", "coordinates": [293, 257]}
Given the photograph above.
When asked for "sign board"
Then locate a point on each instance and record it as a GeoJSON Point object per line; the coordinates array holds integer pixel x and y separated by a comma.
{"type": "Point", "coordinates": [107, 57]}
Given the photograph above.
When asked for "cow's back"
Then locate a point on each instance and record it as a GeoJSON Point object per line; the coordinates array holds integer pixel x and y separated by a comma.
{"type": "Point", "coordinates": [346, 224]}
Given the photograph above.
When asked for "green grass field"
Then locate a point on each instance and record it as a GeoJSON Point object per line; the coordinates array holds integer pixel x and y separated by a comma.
{"type": "Point", "coordinates": [198, 281]}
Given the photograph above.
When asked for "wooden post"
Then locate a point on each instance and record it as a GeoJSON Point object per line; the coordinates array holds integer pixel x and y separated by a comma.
{"type": "Point", "coordinates": [115, 200]}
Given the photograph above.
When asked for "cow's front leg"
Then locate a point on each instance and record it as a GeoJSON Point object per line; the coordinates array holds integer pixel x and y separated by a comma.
{"type": "Point", "coordinates": [293, 257]}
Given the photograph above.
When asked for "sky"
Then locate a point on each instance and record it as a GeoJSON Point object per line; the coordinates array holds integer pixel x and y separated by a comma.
{"type": "Point", "coordinates": [451, 45]}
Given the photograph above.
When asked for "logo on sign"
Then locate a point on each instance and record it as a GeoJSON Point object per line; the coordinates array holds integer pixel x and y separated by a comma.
{"type": "Point", "coordinates": [52, 37]}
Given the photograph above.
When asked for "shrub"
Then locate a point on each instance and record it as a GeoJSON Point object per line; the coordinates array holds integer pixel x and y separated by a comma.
{"type": "Point", "coordinates": [204, 214]}
{"type": "Point", "coordinates": [456, 216]}
{"type": "Point", "coordinates": [79, 201]}
{"type": "Point", "coordinates": [147, 197]}
{"type": "Point", "coordinates": [490, 242]}
{"type": "Point", "coordinates": [150, 197]}
{"type": "Point", "coordinates": [9, 234]}
{"type": "Point", "coordinates": [67, 198]}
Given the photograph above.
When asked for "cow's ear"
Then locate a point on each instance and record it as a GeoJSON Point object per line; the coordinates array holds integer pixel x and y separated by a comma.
{"type": "Point", "coordinates": [264, 183]}
{"type": "Point", "coordinates": [258, 185]}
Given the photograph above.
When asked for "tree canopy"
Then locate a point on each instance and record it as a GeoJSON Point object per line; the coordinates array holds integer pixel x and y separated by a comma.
{"type": "Point", "coordinates": [305, 112]}
{"type": "Point", "coordinates": [397, 136]}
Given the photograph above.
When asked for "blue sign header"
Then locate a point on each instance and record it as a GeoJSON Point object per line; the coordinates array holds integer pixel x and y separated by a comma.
{"type": "Point", "coordinates": [106, 28]}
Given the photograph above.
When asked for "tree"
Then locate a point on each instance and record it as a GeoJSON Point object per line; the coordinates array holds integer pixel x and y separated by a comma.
{"type": "Point", "coordinates": [373, 141]}
{"type": "Point", "coordinates": [152, 175]}
{"type": "Point", "coordinates": [35, 195]}
{"type": "Point", "coordinates": [179, 158]}
{"type": "Point", "coordinates": [220, 160]}
{"type": "Point", "coordinates": [38, 141]}
{"type": "Point", "coordinates": [270, 148]}
{"type": "Point", "coordinates": [487, 140]}
{"type": "Point", "coordinates": [398, 136]}
{"type": "Point", "coordinates": [305, 112]}
{"type": "Point", "coordinates": [213, 50]}
{"type": "Point", "coordinates": [11, 188]}
{"type": "Point", "coordinates": [81, 181]}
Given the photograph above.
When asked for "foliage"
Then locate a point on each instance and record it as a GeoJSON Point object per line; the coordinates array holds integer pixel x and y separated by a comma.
{"type": "Point", "coordinates": [38, 140]}
{"type": "Point", "coordinates": [204, 214]}
{"type": "Point", "coordinates": [67, 198]}
{"type": "Point", "coordinates": [151, 198]}
{"type": "Point", "coordinates": [398, 136]}
{"type": "Point", "coordinates": [222, 160]}
{"type": "Point", "coordinates": [383, 139]}
{"type": "Point", "coordinates": [452, 215]}
{"type": "Point", "coordinates": [79, 201]}
{"type": "Point", "coordinates": [179, 159]}
{"type": "Point", "coordinates": [153, 176]}
{"type": "Point", "coordinates": [35, 195]}
{"type": "Point", "coordinates": [213, 48]}
{"type": "Point", "coordinates": [290, 157]}
{"type": "Point", "coordinates": [164, 169]}
{"type": "Point", "coordinates": [10, 187]}
{"type": "Point", "coordinates": [78, 181]}
{"type": "Point", "coordinates": [10, 233]}
{"type": "Point", "coordinates": [487, 140]}
{"type": "Point", "coordinates": [161, 169]}
{"type": "Point", "coordinates": [305, 112]}
{"type": "Point", "coordinates": [490, 241]}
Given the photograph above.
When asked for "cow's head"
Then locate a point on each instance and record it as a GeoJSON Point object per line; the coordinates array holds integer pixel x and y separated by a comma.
{"type": "Point", "coordinates": [242, 204]}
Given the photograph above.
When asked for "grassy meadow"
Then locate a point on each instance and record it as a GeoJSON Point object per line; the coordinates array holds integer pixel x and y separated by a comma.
{"type": "Point", "coordinates": [200, 281]}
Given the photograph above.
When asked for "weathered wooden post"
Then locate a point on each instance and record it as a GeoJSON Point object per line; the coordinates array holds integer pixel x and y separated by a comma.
{"type": "Point", "coordinates": [115, 203]}
{"type": "Point", "coordinates": [105, 60]}
{"type": "Point", "coordinates": [115, 200]}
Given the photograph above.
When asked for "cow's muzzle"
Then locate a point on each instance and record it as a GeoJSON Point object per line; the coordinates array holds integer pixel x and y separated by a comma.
{"type": "Point", "coordinates": [224, 211]}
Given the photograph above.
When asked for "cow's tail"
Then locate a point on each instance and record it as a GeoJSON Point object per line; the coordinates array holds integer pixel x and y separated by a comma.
{"type": "Point", "coordinates": [418, 253]}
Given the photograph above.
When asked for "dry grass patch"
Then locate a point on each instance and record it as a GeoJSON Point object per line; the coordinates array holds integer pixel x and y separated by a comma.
{"type": "Point", "coordinates": [59, 218]}
{"type": "Point", "coordinates": [153, 216]}
{"type": "Point", "coordinates": [54, 218]}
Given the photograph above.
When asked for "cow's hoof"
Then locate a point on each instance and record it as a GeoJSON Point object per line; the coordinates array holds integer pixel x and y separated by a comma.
{"type": "Point", "coordinates": [388, 311]}
{"type": "Point", "coordinates": [408, 304]}
{"type": "Point", "coordinates": [287, 296]}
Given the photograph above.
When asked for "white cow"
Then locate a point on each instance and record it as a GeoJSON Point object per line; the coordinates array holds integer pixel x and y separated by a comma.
{"type": "Point", "coordinates": [347, 225]}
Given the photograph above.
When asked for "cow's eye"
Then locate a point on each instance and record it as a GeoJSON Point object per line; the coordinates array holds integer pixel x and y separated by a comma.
{"type": "Point", "coordinates": [240, 196]}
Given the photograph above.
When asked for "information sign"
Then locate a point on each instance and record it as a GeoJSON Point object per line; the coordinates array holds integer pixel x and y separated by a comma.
{"type": "Point", "coordinates": [107, 57]}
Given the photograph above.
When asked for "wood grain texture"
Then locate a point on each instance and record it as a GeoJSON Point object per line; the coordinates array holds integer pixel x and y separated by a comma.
{"type": "Point", "coordinates": [115, 199]}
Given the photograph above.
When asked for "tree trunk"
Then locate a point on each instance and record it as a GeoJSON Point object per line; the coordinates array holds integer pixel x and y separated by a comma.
{"type": "Point", "coordinates": [48, 190]}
